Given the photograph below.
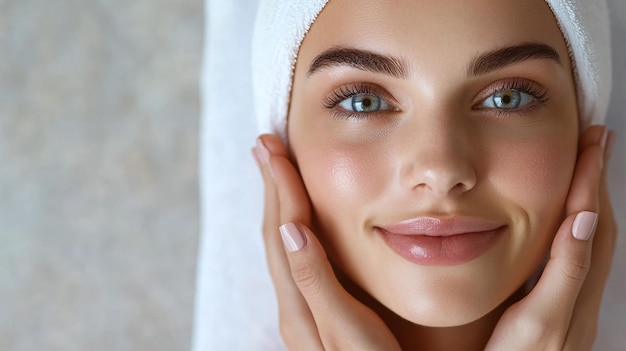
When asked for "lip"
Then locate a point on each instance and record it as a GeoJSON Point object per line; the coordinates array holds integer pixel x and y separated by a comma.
{"type": "Point", "coordinates": [433, 241]}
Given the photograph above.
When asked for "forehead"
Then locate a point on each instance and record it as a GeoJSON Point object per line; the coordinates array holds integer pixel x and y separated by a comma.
{"type": "Point", "coordinates": [433, 36]}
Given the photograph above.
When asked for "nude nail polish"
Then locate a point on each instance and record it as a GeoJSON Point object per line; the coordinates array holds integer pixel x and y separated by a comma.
{"type": "Point", "coordinates": [584, 225]}
{"type": "Point", "coordinates": [293, 238]}
{"type": "Point", "coordinates": [262, 152]}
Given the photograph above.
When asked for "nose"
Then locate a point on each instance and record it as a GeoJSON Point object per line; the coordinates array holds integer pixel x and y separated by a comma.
{"type": "Point", "coordinates": [441, 161]}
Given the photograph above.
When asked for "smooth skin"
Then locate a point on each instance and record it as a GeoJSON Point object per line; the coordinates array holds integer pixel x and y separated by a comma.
{"type": "Point", "coordinates": [560, 313]}
{"type": "Point", "coordinates": [440, 150]}
{"type": "Point", "coordinates": [435, 152]}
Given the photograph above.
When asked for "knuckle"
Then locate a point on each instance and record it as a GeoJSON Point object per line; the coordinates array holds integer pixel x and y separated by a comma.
{"type": "Point", "coordinates": [308, 278]}
{"type": "Point", "coordinates": [576, 269]}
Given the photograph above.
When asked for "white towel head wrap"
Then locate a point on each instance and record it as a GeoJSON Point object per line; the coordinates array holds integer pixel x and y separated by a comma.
{"type": "Point", "coordinates": [282, 24]}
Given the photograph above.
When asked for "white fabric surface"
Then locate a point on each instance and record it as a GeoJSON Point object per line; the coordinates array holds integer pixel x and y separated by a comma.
{"type": "Point", "coordinates": [235, 304]}
{"type": "Point", "coordinates": [586, 30]}
{"type": "Point", "coordinates": [281, 26]}
{"type": "Point", "coordinates": [235, 307]}
{"type": "Point", "coordinates": [278, 32]}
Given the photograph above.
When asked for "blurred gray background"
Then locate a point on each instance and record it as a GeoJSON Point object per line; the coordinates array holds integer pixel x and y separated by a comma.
{"type": "Point", "coordinates": [99, 112]}
{"type": "Point", "coordinates": [99, 219]}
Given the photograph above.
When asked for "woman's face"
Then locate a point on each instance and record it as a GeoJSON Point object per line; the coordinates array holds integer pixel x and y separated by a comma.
{"type": "Point", "coordinates": [437, 142]}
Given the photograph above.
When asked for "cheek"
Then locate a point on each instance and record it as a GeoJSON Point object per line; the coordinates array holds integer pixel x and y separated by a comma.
{"type": "Point", "coordinates": [345, 177]}
{"type": "Point", "coordinates": [336, 183]}
{"type": "Point", "coordinates": [536, 176]}
{"type": "Point", "coordinates": [530, 168]}
{"type": "Point", "coordinates": [337, 179]}
{"type": "Point", "coordinates": [345, 184]}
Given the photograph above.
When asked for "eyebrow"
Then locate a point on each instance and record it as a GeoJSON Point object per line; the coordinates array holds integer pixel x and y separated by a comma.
{"type": "Point", "coordinates": [501, 58]}
{"type": "Point", "coordinates": [490, 61]}
{"type": "Point", "coordinates": [360, 59]}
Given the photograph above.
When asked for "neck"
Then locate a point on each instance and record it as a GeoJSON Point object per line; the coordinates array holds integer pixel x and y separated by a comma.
{"type": "Point", "coordinates": [468, 337]}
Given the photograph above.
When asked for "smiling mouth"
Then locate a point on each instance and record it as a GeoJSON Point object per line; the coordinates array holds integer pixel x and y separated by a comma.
{"type": "Point", "coordinates": [450, 241]}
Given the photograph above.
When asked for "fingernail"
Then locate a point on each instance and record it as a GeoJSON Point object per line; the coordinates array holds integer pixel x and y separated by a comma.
{"type": "Point", "coordinates": [609, 147]}
{"type": "Point", "coordinates": [262, 152]}
{"type": "Point", "coordinates": [584, 225]}
{"type": "Point", "coordinates": [605, 135]}
{"type": "Point", "coordinates": [293, 238]}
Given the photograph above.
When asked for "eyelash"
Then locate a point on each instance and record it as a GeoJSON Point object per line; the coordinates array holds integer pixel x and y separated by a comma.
{"type": "Point", "coordinates": [349, 90]}
{"type": "Point", "coordinates": [540, 95]}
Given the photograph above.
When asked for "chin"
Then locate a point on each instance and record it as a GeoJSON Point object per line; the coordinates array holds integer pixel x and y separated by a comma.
{"type": "Point", "coordinates": [441, 312]}
{"type": "Point", "coordinates": [442, 297]}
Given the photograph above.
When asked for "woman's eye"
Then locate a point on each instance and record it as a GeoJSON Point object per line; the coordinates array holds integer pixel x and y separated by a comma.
{"type": "Point", "coordinates": [507, 100]}
{"type": "Point", "coordinates": [364, 103]}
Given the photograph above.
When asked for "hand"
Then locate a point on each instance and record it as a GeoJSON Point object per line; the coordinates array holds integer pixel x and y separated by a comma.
{"type": "Point", "coordinates": [561, 312]}
{"type": "Point", "coordinates": [315, 311]}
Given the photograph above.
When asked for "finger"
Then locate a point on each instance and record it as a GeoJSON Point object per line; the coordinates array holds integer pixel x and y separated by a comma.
{"type": "Point", "coordinates": [271, 218]}
{"type": "Point", "coordinates": [583, 327]}
{"type": "Point", "coordinates": [606, 232]}
{"type": "Point", "coordinates": [571, 248]}
{"type": "Point", "coordinates": [297, 326]}
{"type": "Point", "coordinates": [583, 193]}
{"type": "Point", "coordinates": [570, 255]}
{"type": "Point", "coordinates": [342, 321]}
{"type": "Point", "coordinates": [546, 312]}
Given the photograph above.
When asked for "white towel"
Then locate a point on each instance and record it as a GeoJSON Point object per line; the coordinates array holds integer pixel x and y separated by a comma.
{"type": "Point", "coordinates": [235, 306]}
{"type": "Point", "coordinates": [281, 26]}
{"type": "Point", "coordinates": [585, 26]}
{"type": "Point", "coordinates": [278, 33]}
